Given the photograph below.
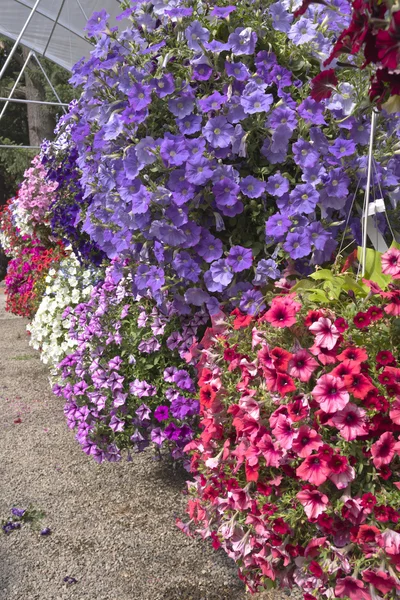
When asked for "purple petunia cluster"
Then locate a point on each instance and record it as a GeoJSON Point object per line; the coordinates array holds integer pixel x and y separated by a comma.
{"type": "Point", "coordinates": [201, 155]}
{"type": "Point", "coordinates": [129, 381]}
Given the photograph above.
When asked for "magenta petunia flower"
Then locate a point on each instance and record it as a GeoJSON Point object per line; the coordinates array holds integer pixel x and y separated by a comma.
{"type": "Point", "coordinates": [302, 365]}
{"type": "Point", "coordinates": [306, 441]}
{"type": "Point", "coordinates": [313, 469]}
{"type": "Point", "coordinates": [383, 450]}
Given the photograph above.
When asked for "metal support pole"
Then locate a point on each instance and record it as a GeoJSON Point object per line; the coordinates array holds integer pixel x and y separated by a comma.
{"type": "Point", "coordinates": [15, 85]}
{"type": "Point", "coordinates": [49, 82]}
{"type": "Point", "coordinates": [83, 12]}
{"type": "Point", "coordinates": [14, 48]}
{"type": "Point", "coordinates": [367, 193]}
{"type": "Point", "coordinates": [20, 101]}
{"type": "Point", "coordinates": [23, 147]}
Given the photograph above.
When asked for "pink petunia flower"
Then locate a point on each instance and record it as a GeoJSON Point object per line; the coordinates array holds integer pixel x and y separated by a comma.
{"type": "Point", "coordinates": [271, 453]}
{"type": "Point", "coordinates": [314, 470]}
{"type": "Point", "coordinates": [302, 365]}
{"type": "Point", "coordinates": [380, 580]}
{"type": "Point", "coordinates": [341, 472]}
{"type": "Point", "coordinates": [350, 421]}
{"type": "Point", "coordinates": [326, 333]}
{"type": "Point", "coordinates": [349, 587]}
{"type": "Point", "coordinates": [391, 262]}
{"type": "Point", "coordinates": [283, 432]}
{"type": "Point", "coordinates": [306, 441]}
{"type": "Point", "coordinates": [330, 393]}
{"type": "Point", "coordinates": [314, 503]}
{"type": "Point", "coordinates": [389, 540]}
{"type": "Point", "coordinates": [280, 315]}
{"type": "Point", "coordinates": [395, 411]}
{"type": "Point", "coordinates": [383, 450]}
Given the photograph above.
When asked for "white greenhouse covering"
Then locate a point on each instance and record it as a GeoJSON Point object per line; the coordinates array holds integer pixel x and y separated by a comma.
{"type": "Point", "coordinates": [56, 27]}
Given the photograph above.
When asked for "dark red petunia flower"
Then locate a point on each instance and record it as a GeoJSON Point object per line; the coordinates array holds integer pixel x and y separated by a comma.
{"type": "Point", "coordinates": [388, 43]}
{"type": "Point", "coordinates": [280, 358]}
{"type": "Point", "coordinates": [362, 320]}
{"type": "Point", "coordinates": [383, 84]}
{"type": "Point", "coordinates": [315, 569]}
{"type": "Point", "coordinates": [375, 313]}
{"type": "Point", "coordinates": [385, 357]}
{"type": "Point", "coordinates": [341, 324]}
{"type": "Point", "coordinates": [323, 85]}
{"type": "Point", "coordinates": [312, 317]}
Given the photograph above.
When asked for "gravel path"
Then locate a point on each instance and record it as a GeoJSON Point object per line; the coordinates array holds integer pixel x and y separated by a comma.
{"type": "Point", "coordinates": [113, 525]}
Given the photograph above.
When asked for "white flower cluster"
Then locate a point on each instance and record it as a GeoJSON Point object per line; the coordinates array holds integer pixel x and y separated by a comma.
{"type": "Point", "coordinates": [66, 287]}
{"type": "Point", "coordinates": [5, 244]}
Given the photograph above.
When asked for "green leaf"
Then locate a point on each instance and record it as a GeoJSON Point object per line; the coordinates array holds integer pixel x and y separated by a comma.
{"type": "Point", "coordinates": [318, 296]}
{"type": "Point", "coordinates": [373, 267]}
{"type": "Point", "coordinates": [323, 274]}
{"type": "Point", "coordinates": [303, 285]}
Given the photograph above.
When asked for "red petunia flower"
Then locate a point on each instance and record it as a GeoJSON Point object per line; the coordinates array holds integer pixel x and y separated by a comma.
{"type": "Point", "coordinates": [316, 569]}
{"type": "Point", "coordinates": [241, 320]}
{"type": "Point", "coordinates": [375, 313]}
{"type": "Point", "coordinates": [285, 384]}
{"type": "Point", "coordinates": [367, 534]}
{"type": "Point", "coordinates": [306, 441]}
{"type": "Point", "coordinates": [314, 470]}
{"type": "Point", "coordinates": [353, 353]}
{"type": "Point", "coordinates": [207, 395]}
{"type": "Point", "coordinates": [312, 317]}
{"type": "Point", "coordinates": [358, 385]}
{"type": "Point", "coordinates": [380, 580]}
{"type": "Point", "coordinates": [362, 320]}
{"type": "Point", "coordinates": [323, 85]}
{"type": "Point", "coordinates": [280, 358]}
{"type": "Point", "coordinates": [388, 43]}
{"type": "Point", "coordinates": [368, 501]}
{"type": "Point", "coordinates": [347, 367]}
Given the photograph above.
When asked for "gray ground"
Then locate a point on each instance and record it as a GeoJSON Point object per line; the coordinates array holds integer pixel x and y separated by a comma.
{"type": "Point", "coordinates": [112, 525]}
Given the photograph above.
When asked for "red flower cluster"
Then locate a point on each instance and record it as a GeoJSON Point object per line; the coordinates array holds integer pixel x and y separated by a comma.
{"type": "Point", "coordinates": [26, 272]}
{"type": "Point", "coordinates": [375, 30]}
{"type": "Point", "coordinates": [297, 468]}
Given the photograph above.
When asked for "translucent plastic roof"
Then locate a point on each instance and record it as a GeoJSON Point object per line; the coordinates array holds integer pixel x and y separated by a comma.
{"type": "Point", "coordinates": [56, 29]}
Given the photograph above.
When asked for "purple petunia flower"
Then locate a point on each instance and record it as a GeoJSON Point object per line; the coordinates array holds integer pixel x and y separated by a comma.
{"type": "Point", "coordinates": [182, 106]}
{"type": "Point", "coordinates": [158, 436]}
{"type": "Point", "coordinates": [225, 191]}
{"type": "Point", "coordinates": [281, 19]}
{"type": "Point", "coordinates": [161, 413]}
{"type": "Point", "coordinates": [221, 273]}
{"type": "Point", "coordinates": [302, 31]}
{"type": "Point", "coordinates": [218, 132]}
{"type": "Point", "coordinates": [312, 111]}
{"type": "Point", "coordinates": [139, 96]}
{"type": "Point", "coordinates": [186, 267]}
{"type": "Point", "coordinates": [143, 412]}
{"type": "Point", "coordinates": [198, 170]}
{"type": "Point", "coordinates": [298, 243]}
{"type": "Point", "coordinates": [189, 124]}
{"type": "Point", "coordinates": [252, 187]}
{"type": "Point", "coordinates": [222, 12]}
{"type": "Point", "coordinates": [277, 226]}
{"type": "Point", "coordinates": [319, 236]}
{"type": "Point", "coordinates": [18, 512]}
{"type": "Point", "coordinates": [242, 41]}
{"type": "Point", "coordinates": [183, 380]}
{"type": "Point", "coordinates": [202, 72]}
{"type": "Point", "coordinates": [277, 185]}
{"type": "Point", "coordinates": [237, 70]}
{"type": "Point", "coordinates": [266, 269]}
{"type": "Point", "coordinates": [256, 102]}
{"type": "Point", "coordinates": [239, 259]}
{"type": "Point", "coordinates": [213, 102]}
{"type": "Point", "coordinates": [282, 116]}
{"type": "Point", "coordinates": [252, 302]}
{"type": "Point", "coordinates": [337, 183]}
{"type": "Point", "coordinates": [97, 23]}
{"type": "Point", "coordinates": [163, 86]}
{"type": "Point", "coordinates": [196, 35]}
{"type": "Point", "coordinates": [210, 248]}
{"type": "Point", "coordinates": [305, 155]}
{"type": "Point", "coordinates": [342, 147]}
{"type": "Point", "coordinates": [303, 199]}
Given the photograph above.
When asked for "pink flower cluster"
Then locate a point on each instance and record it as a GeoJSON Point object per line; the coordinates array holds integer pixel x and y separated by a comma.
{"type": "Point", "coordinates": [297, 468]}
{"type": "Point", "coordinates": [36, 193]}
